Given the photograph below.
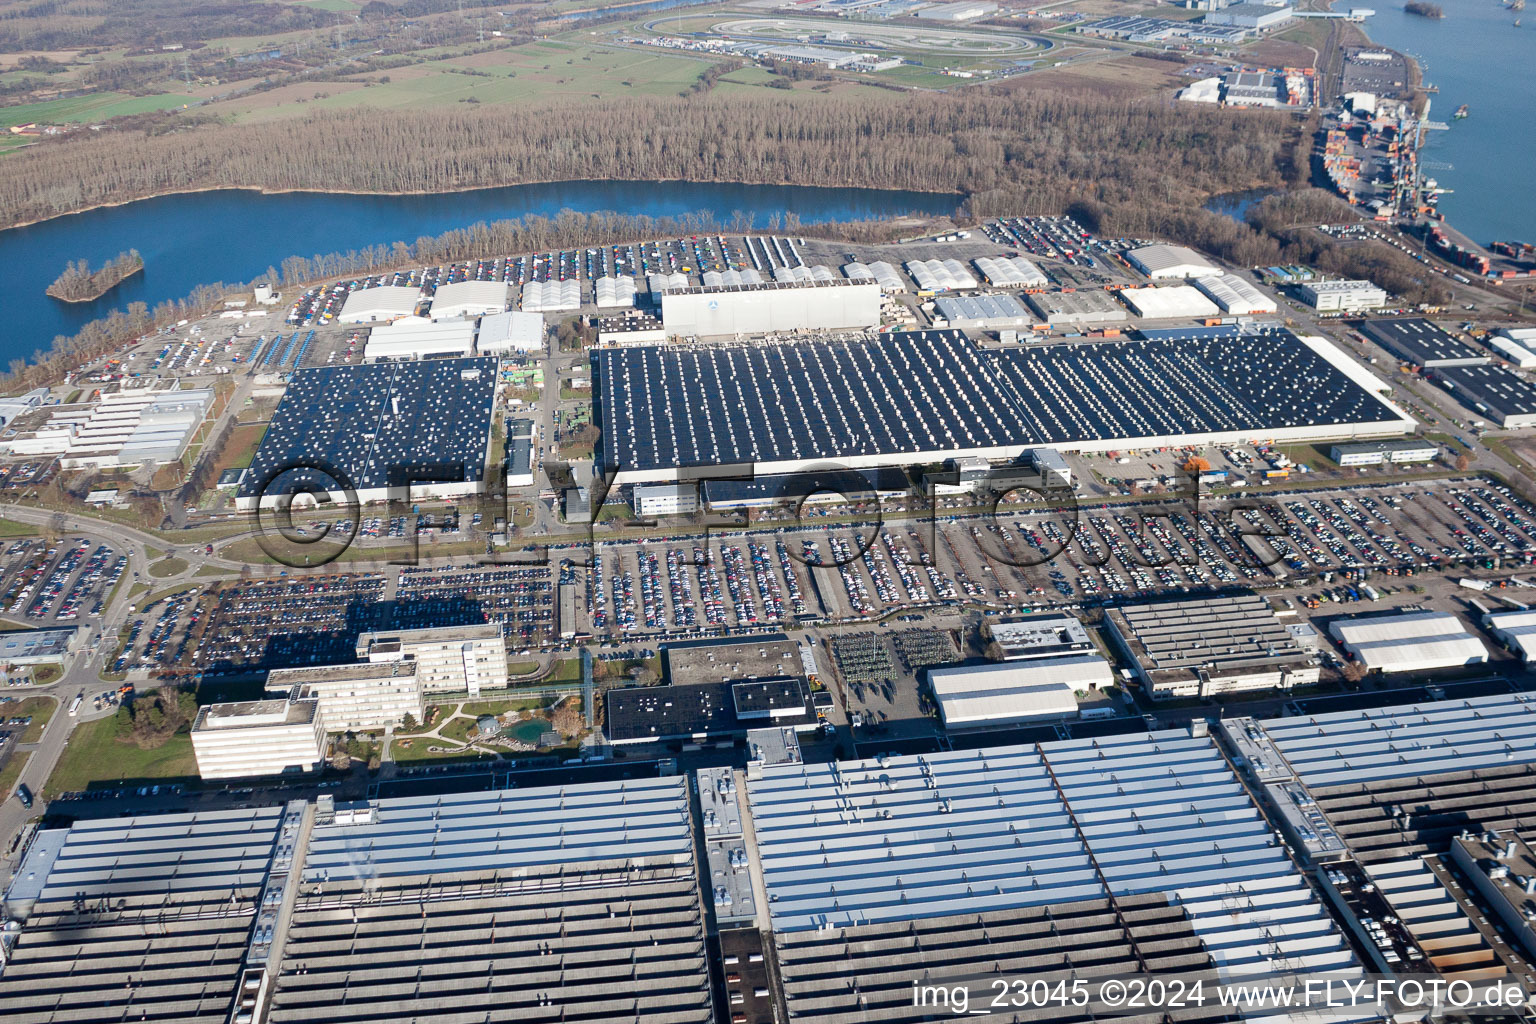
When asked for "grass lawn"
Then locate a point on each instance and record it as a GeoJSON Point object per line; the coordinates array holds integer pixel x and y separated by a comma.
{"type": "Point", "coordinates": [95, 107]}
{"type": "Point", "coordinates": [567, 670]}
{"type": "Point", "coordinates": [42, 675]}
{"type": "Point", "coordinates": [167, 567]}
{"type": "Point", "coordinates": [14, 529]}
{"type": "Point", "coordinates": [418, 751]}
{"type": "Point", "coordinates": [40, 708]}
{"type": "Point", "coordinates": [94, 756]}
{"type": "Point", "coordinates": [501, 707]}
{"type": "Point", "coordinates": [458, 729]}
{"type": "Point", "coordinates": [241, 447]}
{"type": "Point", "coordinates": [11, 771]}
{"type": "Point", "coordinates": [521, 668]}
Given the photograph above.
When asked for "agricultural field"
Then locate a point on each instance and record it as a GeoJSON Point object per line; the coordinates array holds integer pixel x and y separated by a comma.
{"type": "Point", "coordinates": [84, 109]}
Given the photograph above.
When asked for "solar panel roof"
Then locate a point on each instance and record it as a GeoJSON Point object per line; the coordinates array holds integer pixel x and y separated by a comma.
{"type": "Point", "coordinates": [371, 420]}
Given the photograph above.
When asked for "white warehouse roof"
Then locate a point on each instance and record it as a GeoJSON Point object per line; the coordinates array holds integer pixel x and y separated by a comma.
{"type": "Point", "coordinates": [383, 303]}
{"type": "Point", "coordinates": [1010, 272]}
{"type": "Point", "coordinates": [1015, 691]}
{"type": "Point", "coordinates": [712, 278]}
{"type": "Point", "coordinates": [940, 275]}
{"type": "Point", "coordinates": [1160, 261]}
{"type": "Point", "coordinates": [551, 296]}
{"type": "Point", "coordinates": [1514, 351]}
{"type": "Point", "coordinates": [659, 283]}
{"type": "Point", "coordinates": [1409, 642]}
{"type": "Point", "coordinates": [1236, 295]}
{"type": "Point", "coordinates": [469, 298]}
{"type": "Point", "coordinates": [513, 331]}
{"type": "Point", "coordinates": [881, 272]}
{"type": "Point", "coordinates": [1178, 300]}
{"type": "Point", "coordinates": [613, 292]}
{"type": "Point", "coordinates": [417, 339]}
{"type": "Point", "coordinates": [801, 274]}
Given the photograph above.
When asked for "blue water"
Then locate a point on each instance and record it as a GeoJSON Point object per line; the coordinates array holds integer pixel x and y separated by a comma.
{"type": "Point", "coordinates": [232, 236]}
{"type": "Point", "coordinates": [1476, 56]}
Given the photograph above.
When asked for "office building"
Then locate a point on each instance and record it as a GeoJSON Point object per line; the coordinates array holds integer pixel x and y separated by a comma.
{"type": "Point", "coordinates": [259, 737]}
{"type": "Point", "coordinates": [449, 659]}
{"type": "Point", "coordinates": [367, 697]}
{"type": "Point", "coordinates": [666, 500]}
{"type": "Point", "coordinates": [1342, 296]}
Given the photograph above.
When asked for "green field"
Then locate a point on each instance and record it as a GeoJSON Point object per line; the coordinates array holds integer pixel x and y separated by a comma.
{"type": "Point", "coordinates": [40, 708]}
{"type": "Point", "coordinates": [14, 529]}
{"type": "Point", "coordinates": [96, 107]}
{"type": "Point", "coordinates": [94, 756]}
{"type": "Point", "coordinates": [11, 771]}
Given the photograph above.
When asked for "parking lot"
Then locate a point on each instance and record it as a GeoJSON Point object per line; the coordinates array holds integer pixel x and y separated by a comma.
{"type": "Point", "coordinates": [45, 584]}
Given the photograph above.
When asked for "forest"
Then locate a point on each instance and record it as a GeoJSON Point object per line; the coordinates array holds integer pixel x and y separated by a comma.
{"type": "Point", "coordinates": [1023, 151]}
{"type": "Point", "coordinates": [79, 283]}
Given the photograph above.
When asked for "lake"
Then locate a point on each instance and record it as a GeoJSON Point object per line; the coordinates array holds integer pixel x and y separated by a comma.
{"type": "Point", "coordinates": [236, 235]}
{"type": "Point", "coordinates": [1476, 56]}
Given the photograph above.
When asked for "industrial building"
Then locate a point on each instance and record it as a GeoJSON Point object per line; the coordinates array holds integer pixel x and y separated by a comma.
{"type": "Point", "coordinates": [1512, 350]}
{"type": "Point", "coordinates": [520, 453]}
{"type": "Point", "coordinates": [1503, 871]}
{"type": "Point", "coordinates": [1039, 469]}
{"type": "Point", "coordinates": [809, 487]}
{"type": "Point", "coordinates": [551, 296]}
{"type": "Point", "coordinates": [1236, 295]}
{"type": "Point", "coordinates": [1409, 641]}
{"type": "Point", "coordinates": [770, 308]}
{"type": "Point", "coordinates": [259, 737]}
{"type": "Point", "coordinates": [469, 298]}
{"type": "Point", "coordinates": [1497, 392]}
{"type": "Point", "coordinates": [666, 500]}
{"type": "Point", "coordinates": [1013, 692]}
{"type": "Point", "coordinates": [408, 428]}
{"type": "Point", "coordinates": [1205, 647]}
{"type": "Point", "coordinates": [386, 302]}
{"type": "Point", "coordinates": [449, 659]}
{"type": "Point", "coordinates": [1010, 272]}
{"type": "Point", "coordinates": [881, 272]}
{"type": "Point", "coordinates": [981, 312]}
{"type": "Point", "coordinates": [40, 646]}
{"type": "Point", "coordinates": [511, 332]}
{"type": "Point", "coordinates": [1516, 630]}
{"type": "Point", "coordinates": [412, 338]}
{"type": "Point", "coordinates": [1161, 262]}
{"type": "Point", "coordinates": [1139, 854]}
{"type": "Point", "coordinates": [1250, 16]}
{"type": "Point", "coordinates": [634, 327]}
{"type": "Point", "coordinates": [699, 711]}
{"type": "Point", "coordinates": [1179, 301]}
{"type": "Point", "coordinates": [730, 276]}
{"type": "Point", "coordinates": [961, 11]}
{"type": "Point", "coordinates": [614, 292]}
{"type": "Point", "coordinates": [658, 283]}
{"type": "Point", "coordinates": [1342, 296]}
{"type": "Point", "coordinates": [583, 894]}
{"type": "Point", "coordinates": [912, 398]}
{"type": "Point", "coordinates": [1420, 343]}
{"type": "Point", "coordinates": [941, 275]}
{"type": "Point", "coordinates": [370, 696]}
{"type": "Point", "coordinates": [131, 426]}
{"type": "Point", "coordinates": [1080, 310]}
{"type": "Point", "coordinates": [1040, 636]}
{"type": "Point", "coordinates": [1377, 453]}
{"type": "Point", "coordinates": [799, 275]}
{"type": "Point", "coordinates": [19, 405]}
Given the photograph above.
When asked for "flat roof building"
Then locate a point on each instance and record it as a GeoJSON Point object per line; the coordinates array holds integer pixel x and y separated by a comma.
{"type": "Point", "coordinates": [810, 487]}
{"type": "Point", "coordinates": [1172, 301]}
{"type": "Point", "coordinates": [1235, 295]}
{"type": "Point", "coordinates": [1408, 641]}
{"type": "Point", "coordinates": [771, 307]}
{"type": "Point", "coordinates": [635, 327]}
{"type": "Point", "coordinates": [377, 426]}
{"type": "Point", "coordinates": [1376, 453]}
{"type": "Point", "coordinates": [370, 305]}
{"type": "Point", "coordinates": [1497, 392]}
{"type": "Point", "coordinates": [371, 696]}
{"type": "Point", "coordinates": [1250, 16]}
{"type": "Point", "coordinates": [924, 397]}
{"type": "Point", "coordinates": [699, 711]}
{"type": "Point", "coordinates": [131, 426]}
{"type": "Point", "coordinates": [469, 298]}
{"type": "Point", "coordinates": [1012, 692]}
{"type": "Point", "coordinates": [1079, 309]}
{"type": "Point", "coordinates": [981, 312]}
{"type": "Point", "coordinates": [502, 334]}
{"type": "Point", "coordinates": [666, 499]}
{"type": "Point", "coordinates": [1160, 262]}
{"type": "Point", "coordinates": [1342, 296]}
{"type": "Point", "coordinates": [449, 659]}
{"type": "Point", "coordinates": [1420, 343]}
{"type": "Point", "coordinates": [1516, 630]}
{"type": "Point", "coordinates": [260, 737]}
{"type": "Point", "coordinates": [413, 338]}
{"type": "Point", "coordinates": [1209, 646]}
{"type": "Point", "coordinates": [1040, 636]}
{"type": "Point", "coordinates": [1502, 867]}
{"type": "Point", "coordinates": [39, 646]}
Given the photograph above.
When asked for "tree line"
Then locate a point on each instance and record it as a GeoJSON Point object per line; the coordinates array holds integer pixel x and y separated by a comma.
{"type": "Point", "coordinates": [1045, 149]}
{"type": "Point", "coordinates": [79, 283]}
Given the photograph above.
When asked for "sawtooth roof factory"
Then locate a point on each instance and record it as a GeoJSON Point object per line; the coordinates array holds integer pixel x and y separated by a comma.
{"type": "Point", "coordinates": [924, 397]}
{"type": "Point", "coordinates": [378, 426]}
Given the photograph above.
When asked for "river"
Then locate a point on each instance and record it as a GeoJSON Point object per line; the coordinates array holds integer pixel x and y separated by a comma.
{"type": "Point", "coordinates": [1476, 56]}
{"type": "Point", "coordinates": [234, 235]}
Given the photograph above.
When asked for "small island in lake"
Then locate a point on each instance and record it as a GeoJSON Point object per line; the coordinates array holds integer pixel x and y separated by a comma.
{"type": "Point", "coordinates": [79, 283]}
{"type": "Point", "coordinates": [1424, 10]}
